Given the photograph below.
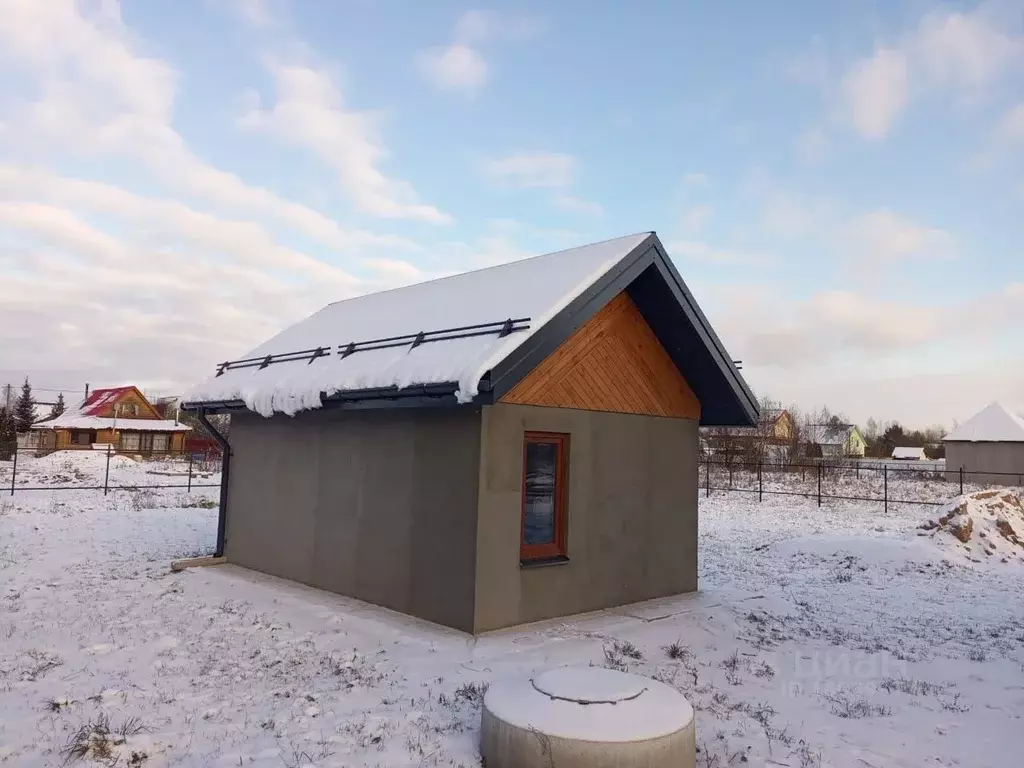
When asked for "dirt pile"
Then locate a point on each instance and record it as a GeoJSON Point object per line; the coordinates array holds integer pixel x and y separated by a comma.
{"type": "Point", "coordinates": [987, 524]}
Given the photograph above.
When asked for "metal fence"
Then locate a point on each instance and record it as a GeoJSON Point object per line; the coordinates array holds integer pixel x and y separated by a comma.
{"type": "Point", "coordinates": [183, 470]}
{"type": "Point", "coordinates": [850, 480]}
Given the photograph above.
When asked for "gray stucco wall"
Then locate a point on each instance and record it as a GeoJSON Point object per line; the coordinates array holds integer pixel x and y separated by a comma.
{"type": "Point", "coordinates": [378, 505]}
{"type": "Point", "coordinates": [632, 514]}
{"type": "Point", "coordinates": [981, 460]}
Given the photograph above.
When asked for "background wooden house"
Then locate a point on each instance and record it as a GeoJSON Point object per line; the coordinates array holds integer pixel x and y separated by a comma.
{"type": "Point", "coordinates": [772, 440]}
{"type": "Point", "coordinates": [120, 417]}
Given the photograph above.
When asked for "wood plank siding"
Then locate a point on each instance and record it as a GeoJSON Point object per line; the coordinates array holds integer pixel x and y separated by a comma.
{"type": "Point", "coordinates": [613, 363]}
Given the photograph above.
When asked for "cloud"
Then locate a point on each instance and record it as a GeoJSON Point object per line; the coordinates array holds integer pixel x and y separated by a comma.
{"type": "Point", "coordinates": [246, 241]}
{"type": "Point", "coordinates": [695, 217]}
{"type": "Point", "coordinates": [965, 50]}
{"type": "Point", "coordinates": [1010, 129]}
{"type": "Point", "coordinates": [309, 113]}
{"type": "Point", "coordinates": [766, 328]}
{"type": "Point", "coordinates": [694, 179]}
{"type": "Point", "coordinates": [884, 237]}
{"type": "Point", "coordinates": [60, 228]}
{"type": "Point", "coordinates": [160, 291]}
{"type": "Point", "coordinates": [258, 13]}
{"type": "Point", "coordinates": [454, 67]}
{"type": "Point", "coordinates": [812, 145]}
{"type": "Point", "coordinates": [875, 92]}
{"type": "Point", "coordinates": [143, 311]}
{"type": "Point", "coordinates": [851, 351]}
{"type": "Point", "coordinates": [573, 204]}
{"type": "Point", "coordinates": [786, 216]}
{"type": "Point", "coordinates": [96, 95]}
{"type": "Point", "coordinates": [460, 66]}
{"type": "Point", "coordinates": [874, 239]}
{"type": "Point", "coordinates": [709, 254]}
{"type": "Point", "coordinates": [953, 54]}
{"type": "Point", "coordinates": [542, 170]}
{"type": "Point", "coordinates": [551, 170]}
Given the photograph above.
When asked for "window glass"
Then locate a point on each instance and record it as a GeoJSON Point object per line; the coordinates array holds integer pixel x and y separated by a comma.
{"type": "Point", "coordinates": [539, 512]}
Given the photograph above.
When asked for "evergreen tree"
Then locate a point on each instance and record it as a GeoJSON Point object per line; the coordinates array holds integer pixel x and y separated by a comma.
{"type": "Point", "coordinates": [8, 435]}
{"type": "Point", "coordinates": [25, 409]}
{"type": "Point", "coordinates": [58, 407]}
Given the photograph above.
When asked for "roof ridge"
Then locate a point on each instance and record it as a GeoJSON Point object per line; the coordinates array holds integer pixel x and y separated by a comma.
{"type": "Point", "coordinates": [1009, 426]}
{"type": "Point", "coordinates": [487, 269]}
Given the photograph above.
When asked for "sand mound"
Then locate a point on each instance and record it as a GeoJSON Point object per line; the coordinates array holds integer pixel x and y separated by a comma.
{"type": "Point", "coordinates": [980, 526]}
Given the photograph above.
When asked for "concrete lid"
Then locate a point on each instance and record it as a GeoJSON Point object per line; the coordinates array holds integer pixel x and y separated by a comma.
{"type": "Point", "coordinates": [590, 704]}
{"type": "Point", "coordinates": [589, 685]}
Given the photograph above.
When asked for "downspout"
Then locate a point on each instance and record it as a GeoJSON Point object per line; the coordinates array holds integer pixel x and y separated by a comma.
{"type": "Point", "coordinates": [222, 513]}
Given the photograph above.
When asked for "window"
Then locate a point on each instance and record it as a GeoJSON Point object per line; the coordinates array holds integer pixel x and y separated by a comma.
{"type": "Point", "coordinates": [160, 444]}
{"type": "Point", "coordinates": [83, 438]}
{"type": "Point", "coordinates": [545, 479]}
{"type": "Point", "coordinates": [129, 441]}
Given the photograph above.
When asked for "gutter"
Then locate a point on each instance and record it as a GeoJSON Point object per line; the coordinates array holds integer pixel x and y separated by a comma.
{"type": "Point", "coordinates": [222, 511]}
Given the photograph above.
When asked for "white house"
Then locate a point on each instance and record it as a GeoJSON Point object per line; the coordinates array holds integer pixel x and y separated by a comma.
{"type": "Point", "coordinates": [988, 447]}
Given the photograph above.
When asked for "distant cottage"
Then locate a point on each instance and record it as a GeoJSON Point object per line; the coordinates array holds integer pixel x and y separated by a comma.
{"type": "Point", "coordinates": [120, 417]}
{"type": "Point", "coordinates": [835, 441]}
{"type": "Point", "coordinates": [482, 450]}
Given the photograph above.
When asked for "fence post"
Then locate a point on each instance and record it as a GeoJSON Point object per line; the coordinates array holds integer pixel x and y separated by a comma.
{"type": "Point", "coordinates": [730, 477]}
{"type": "Point", "coordinates": [760, 482]}
{"type": "Point", "coordinates": [819, 484]}
{"type": "Point", "coordinates": [885, 475]}
{"type": "Point", "coordinates": [707, 478]}
{"type": "Point", "coordinates": [106, 475]}
{"type": "Point", "coordinates": [189, 472]}
{"type": "Point", "coordinates": [14, 469]}
{"type": "Point", "coordinates": [961, 479]}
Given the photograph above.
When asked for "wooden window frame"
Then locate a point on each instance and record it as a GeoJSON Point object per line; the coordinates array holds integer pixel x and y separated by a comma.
{"type": "Point", "coordinates": [557, 548]}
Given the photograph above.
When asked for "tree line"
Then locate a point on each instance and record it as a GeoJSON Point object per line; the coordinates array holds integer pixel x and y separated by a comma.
{"type": "Point", "coordinates": [17, 417]}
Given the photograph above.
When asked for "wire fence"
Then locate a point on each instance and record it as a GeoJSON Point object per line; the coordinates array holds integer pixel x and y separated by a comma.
{"type": "Point", "coordinates": [887, 482]}
{"type": "Point", "coordinates": [66, 471]}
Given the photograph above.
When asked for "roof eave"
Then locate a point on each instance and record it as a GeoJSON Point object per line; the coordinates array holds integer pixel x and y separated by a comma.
{"type": "Point", "coordinates": [415, 396]}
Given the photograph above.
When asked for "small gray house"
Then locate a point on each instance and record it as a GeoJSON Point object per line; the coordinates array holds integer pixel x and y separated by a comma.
{"type": "Point", "coordinates": [988, 447]}
{"type": "Point", "coordinates": [497, 447]}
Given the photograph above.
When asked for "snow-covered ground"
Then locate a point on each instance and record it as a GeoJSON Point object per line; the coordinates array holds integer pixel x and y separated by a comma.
{"type": "Point", "coordinates": [832, 636]}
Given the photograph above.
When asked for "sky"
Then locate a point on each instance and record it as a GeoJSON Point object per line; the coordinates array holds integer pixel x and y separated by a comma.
{"type": "Point", "coordinates": [840, 184]}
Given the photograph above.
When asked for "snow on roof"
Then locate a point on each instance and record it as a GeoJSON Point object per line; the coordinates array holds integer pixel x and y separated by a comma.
{"type": "Point", "coordinates": [903, 452]}
{"type": "Point", "coordinates": [994, 424]}
{"type": "Point", "coordinates": [78, 421]}
{"type": "Point", "coordinates": [99, 399]}
{"type": "Point", "coordinates": [536, 288]}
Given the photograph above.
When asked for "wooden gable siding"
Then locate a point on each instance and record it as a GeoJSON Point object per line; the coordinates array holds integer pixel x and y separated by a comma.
{"type": "Point", "coordinates": [613, 363]}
